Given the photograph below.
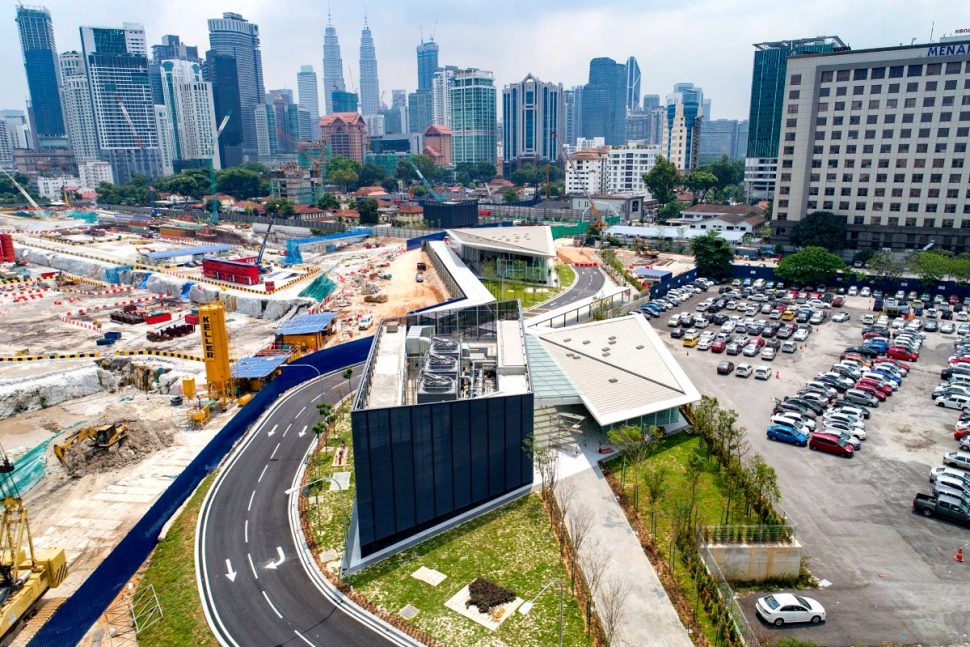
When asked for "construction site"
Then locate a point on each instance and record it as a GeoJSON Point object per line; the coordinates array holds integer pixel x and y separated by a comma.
{"type": "Point", "coordinates": [130, 340]}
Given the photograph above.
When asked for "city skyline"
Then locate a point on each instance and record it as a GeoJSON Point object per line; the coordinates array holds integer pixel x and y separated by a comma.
{"type": "Point", "coordinates": [288, 44]}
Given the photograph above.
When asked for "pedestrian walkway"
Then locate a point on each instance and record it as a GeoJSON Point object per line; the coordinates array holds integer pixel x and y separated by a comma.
{"type": "Point", "coordinates": [648, 616]}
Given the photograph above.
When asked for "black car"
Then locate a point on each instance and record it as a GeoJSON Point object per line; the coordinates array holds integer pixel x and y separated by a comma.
{"type": "Point", "coordinates": [773, 343]}
{"type": "Point", "coordinates": [677, 333]}
{"type": "Point", "coordinates": [794, 407]}
{"type": "Point", "coordinates": [719, 319]}
{"type": "Point", "coordinates": [862, 350]}
{"type": "Point", "coordinates": [946, 314]}
{"type": "Point", "coordinates": [725, 368]}
{"type": "Point", "coordinates": [817, 407]}
{"type": "Point", "coordinates": [877, 305]}
{"type": "Point", "coordinates": [930, 325]}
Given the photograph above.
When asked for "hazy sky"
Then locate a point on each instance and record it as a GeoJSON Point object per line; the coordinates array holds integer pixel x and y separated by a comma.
{"type": "Point", "coordinates": [707, 42]}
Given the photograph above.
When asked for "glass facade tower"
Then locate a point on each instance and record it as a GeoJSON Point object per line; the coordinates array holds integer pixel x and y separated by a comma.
{"type": "Point", "coordinates": [40, 63]}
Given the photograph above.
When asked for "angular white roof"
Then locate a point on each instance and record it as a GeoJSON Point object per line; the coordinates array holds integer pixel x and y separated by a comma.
{"type": "Point", "coordinates": [620, 367]}
{"type": "Point", "coordinates": [529, 241]}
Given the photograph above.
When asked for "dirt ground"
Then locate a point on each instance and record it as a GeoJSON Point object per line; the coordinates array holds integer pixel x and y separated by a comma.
{"type": "Point", "coordinates": [571, 254]}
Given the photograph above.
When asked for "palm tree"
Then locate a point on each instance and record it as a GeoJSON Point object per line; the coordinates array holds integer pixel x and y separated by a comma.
{"type": "Point", "coordinates": [347, 374]}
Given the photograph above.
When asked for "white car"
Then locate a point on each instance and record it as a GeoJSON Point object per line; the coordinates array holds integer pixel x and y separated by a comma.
{"type": "Point", "coordinates": [780, 608]}
{"type": "Point", "coordinates": [768, 353]}
{"type": "Point", "coordinates": [864, 292]}
{"type": "Point", "coordinates": [762, 373]}
{"type": "Point", "coordinates": [792, 420]}
{"type": "Point", "coordinates": [868, 319]}
{"type": "Point", "coordinates": [801, 334]}
{"type": "Point", "coordinates": [704, 344]}
{"type": "Point", "coordinates": [743, 370]}
{"type": "Point", "coordinates": [853, 290]}
{"type": "Point", "coordinates": [947, 328]}
{"type": "Point", "coordinates": [841, 316]}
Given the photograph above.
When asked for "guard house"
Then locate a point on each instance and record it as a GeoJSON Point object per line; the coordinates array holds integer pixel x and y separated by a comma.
{"type": "Point", "coordinates": [440, 425]}
{"type": "Point", "coordinates": [519, 253]}
{"type": "Point", "coordinates": [307, 333]}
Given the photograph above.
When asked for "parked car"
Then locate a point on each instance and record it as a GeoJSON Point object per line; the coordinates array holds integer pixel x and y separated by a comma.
{"type": "Point", "coordinates": [733, 349]}
{"type": "Point", "coordinates": [677, 333]}
{"type": "Point", "coordinates": [960, 460]}
{"type": "Point", "coordinates": [944, 506]}
{"type": "Point", "coordinates": [830, 444]}
{"type": "Point", "coordinates": [762, 373]}
{"type": "Point", "coordinates": [744, 370]}
{"type": "Point", "coordinates": [768, 353]}
{"type": "Point", "coordinates": [955, 401]}
{"type": "Point", "coordinates": [779, 608]}
{"type": "Point", "coordinates": [787, 434]}
{"type": "Point", "coordinates": [896, 352]}
{"type": "Point", "coordinates": [857, 396]}
{"type": "Point", "coordinates": [788, 347]}
{"type": "Point", "coordinates": [725, 368]}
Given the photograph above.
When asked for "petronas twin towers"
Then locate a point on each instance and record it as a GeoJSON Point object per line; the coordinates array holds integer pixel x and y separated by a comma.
{"type": "Point", "coordinates": [333, 72]}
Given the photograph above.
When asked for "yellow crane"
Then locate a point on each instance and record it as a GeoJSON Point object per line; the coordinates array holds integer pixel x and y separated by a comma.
{"type": "Point", "coordinates": [26, 574]}
{"type": "Point", "coordinates": [598, 225]}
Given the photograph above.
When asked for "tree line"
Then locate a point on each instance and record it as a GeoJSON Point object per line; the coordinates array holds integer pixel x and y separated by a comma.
{"type": "Point", "coordinates": [717, 183]}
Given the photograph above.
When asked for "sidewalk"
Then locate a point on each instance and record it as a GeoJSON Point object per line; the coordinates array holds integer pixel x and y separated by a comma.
{"type": "Point", "coordinates": [648, 617]}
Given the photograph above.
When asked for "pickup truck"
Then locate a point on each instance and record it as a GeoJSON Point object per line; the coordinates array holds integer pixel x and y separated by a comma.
{"type": "Point", "coordinates": [944, 506]}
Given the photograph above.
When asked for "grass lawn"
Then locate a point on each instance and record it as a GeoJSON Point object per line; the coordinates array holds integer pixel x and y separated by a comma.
{"type": "Point", "coordinates": [171, 568]}
{"type": "Point", "coordinates": [513, 547]}
{"type": "Point", "coordinates": [566, 275]}
{"type": "Point", "coordinates": [529, 294]}
{"type": "Point", "coordinates": [710, 502]}
{"type": "Point", "coordinates": [328, 517]}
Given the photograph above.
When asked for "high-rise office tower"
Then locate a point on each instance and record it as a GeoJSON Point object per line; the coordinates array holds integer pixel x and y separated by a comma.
{"type": "Point", "coordinates": [721, 138]}
{"type": "Point", "coordinates": [7, 161]}
{"type": "Point", "coordinates": [427, 64]}
{"type": "Point", "coordinates": [232, 35]}
{"type": "Point", "coordinates": [399, 98]}
{"type": "Point", "coordinates": [278, 126]}
{"type": "Point", "coordinates": [166, 139]}
{"type": "Point", "coordinates": [681, 138]}
{"type": "Point", "coordinates": [220, 71]}
{"type": "Point", "coordinates": [171, 48]}
{"type": "Point", "coordinates": [420, 111]}
{"type": "Point", "coordinates": [532, 117]}
{"type": "Point", "coordinates": [572, 101]}
{"type": "Point", "coordinates": [370, 93]}
{"type": "Point", "coordinates": [344, 101]}
{"type": "Point", "coordinates": [632, 84]}
{"type": "Point", "coordinates": [285, 94]}
{"type": "Point", "coordinates": [121, 96]}
{"type": "Point", "coordinates": [40, 62]}
{"type": "Point", "coordinates": [767, 98]}
{"type": "Point", "coordinates": [650, 102]}
{"type": "Point", "coordinates": [18, 127]}
{"type": "Point", "coordinates": [191, 111]}
{"type": "Point", "coordinates": [473, 118]}
{"type": "Point", "coordinates": [78, 111]}
{"type": "Point", "coordinates": [309, 99]}
{"type": "Point", "coordinates": [333, 65]}
{"type": "Point", "coordinates": [396, 117]}
{"type": "Point", "coordinates": [441, 94]}
{"type": "Point", "coordinates": [604, 101]}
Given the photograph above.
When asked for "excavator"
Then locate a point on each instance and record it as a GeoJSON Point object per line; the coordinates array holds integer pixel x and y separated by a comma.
{"type": "Point", "coordinates": [643, 249]}
{"type": "Point", "coordinates": [102, 439]}
{"type": "Point", "coordinates": [26, 574]}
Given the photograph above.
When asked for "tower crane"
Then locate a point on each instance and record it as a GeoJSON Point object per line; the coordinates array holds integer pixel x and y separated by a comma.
{"type": "Point", "coordinates": [214, 218]}
{"type": "Point", "coordinates": [424, 181]}
{"type": "Point", "coordinates": [30, 200]}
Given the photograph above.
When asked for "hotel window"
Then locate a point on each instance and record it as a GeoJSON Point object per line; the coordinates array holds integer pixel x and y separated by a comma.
{"type": "Point", "coordinates": [946, 116]}
{"type": "Point", "coordinates": [879, 192]}
{"type": "Point", "coordinates": [930, 86]}
{"type": "Point", "coordinates": [877, 206]}
{"type": "Point", "coordinates": [910, 102]}
{"type": "Point", "coordinates": [860, 74]}
{"type": "Point", "coordinates": [791, 123]}
{"type": "Point", "coordinates": [898, 177]}
{"type": "Point", "coordinates": [823, 106]}
{"type": "Point", "coordinates": [872, 120]}
{"type": "Point", "coordinates": [794, 94]}
{"type": "Point", "coordinates": [875, 89]}
{"type": "Point", "coordinates": [929, 102]}
{"type": "Point", "coordinates": [892, 103]}
{"type": "Point", "coordinates": [915, 70]}
{"type": "Point", "coordinates": [908, 118]}
{"type": "Point", "coordinates": [842, 75]}
{"type": "Point", "coordinates": [896, 72]}
{"type": "Point", "coordinates": [933, 193]}
{"type": "Point", "coordinates": [947, 224]}
{"type": "Point", "coordinates": [826, 77]}
{"type": "Point", "coordinates": [912, 87]}
{"type": "Point", "coordinates": [858, 90]}
{"type": "Point", "coordinates": [922, 148]}
{"type": "Point", "coordinates": [953, 193]}
{"type": "Point", "coordinates": [949, 208]}
{"type": "Point", "coordinates": [850, 149]}
{"type": "Point", "coordinates": [874, 104]}
{"type": "Point", "coordinates": [856, 105]}
{"type": "Point", "coordinates": [820, 121]}
{"type": "Point", "coordinates": [950, 85]}
{"type": "Point", "coordinates": [844, 206]}
{"type": "Point", "coordinates": [881, 177]}
{"type": "Point", "coordinates": [953, 68]}
{"type": "Point", "coordinates": [878, 73]}
{"type": "Point", "coordinates": [824, 92]}
{"type": "Point", "coordinates": [947, 101]}
{"type": "Point", "coordinates": [796, 79]}
{"type": "Point", "coordinates": [934, 69]}
{"type": "Point", "coordinates": [893, 206]}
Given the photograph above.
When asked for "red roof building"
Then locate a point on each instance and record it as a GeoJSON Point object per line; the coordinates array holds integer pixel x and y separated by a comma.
{"type": "Point", "coordinates": [437, 144]}
{"type": "Point", "coordinates": [346, 135]}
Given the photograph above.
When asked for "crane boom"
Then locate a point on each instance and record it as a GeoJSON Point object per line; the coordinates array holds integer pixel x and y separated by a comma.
{"type": "Point", "coordinates": [23, 192]}
{"type": "Point", "coordinates": [262, 248]}
{"type": "Point", "coordinates": [131, 124]}
{"type": "Point", "coordinates": [425, 182]}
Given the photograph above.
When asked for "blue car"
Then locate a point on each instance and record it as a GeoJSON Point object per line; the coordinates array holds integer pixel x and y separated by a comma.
{"type": "Point", "coordinates": [879, 346]}
{"type": "Point", "coordinates": [786, 434]}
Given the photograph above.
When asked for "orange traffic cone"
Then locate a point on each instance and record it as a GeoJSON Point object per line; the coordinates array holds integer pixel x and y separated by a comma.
{"type": "Point", "coordinates": [959, 555]}
{"type": "Point", "coordinates": [777, 375]}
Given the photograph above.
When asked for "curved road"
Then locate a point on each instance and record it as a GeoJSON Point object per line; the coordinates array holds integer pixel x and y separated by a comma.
{"type": "Point", "coordinates": [258, 584]}
{"type": "Point", "coordinates": [588, 282]}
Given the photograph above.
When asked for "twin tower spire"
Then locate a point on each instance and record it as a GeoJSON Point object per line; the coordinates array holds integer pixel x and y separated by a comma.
{"type": "Point", "coordinates": [333, 71]}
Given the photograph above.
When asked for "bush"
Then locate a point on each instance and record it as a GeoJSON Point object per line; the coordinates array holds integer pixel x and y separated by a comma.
{"type": "Point", "coordinates": [486, 595]}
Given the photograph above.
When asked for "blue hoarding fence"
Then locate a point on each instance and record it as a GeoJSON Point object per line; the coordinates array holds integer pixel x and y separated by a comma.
{"type": "Point", "coordinates": [658, 290]}
{"type": "Point", "coordinates": [414, 243]}
{"type": "Point", "coordinates": [71, 621]}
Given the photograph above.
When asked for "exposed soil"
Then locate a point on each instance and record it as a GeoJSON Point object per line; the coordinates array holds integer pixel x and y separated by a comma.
{"type": "Point", "coordinates": [83, 456]}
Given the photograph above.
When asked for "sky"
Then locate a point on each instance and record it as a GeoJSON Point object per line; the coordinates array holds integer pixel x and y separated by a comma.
{"type": "Point", "coordinates": [707, 42]}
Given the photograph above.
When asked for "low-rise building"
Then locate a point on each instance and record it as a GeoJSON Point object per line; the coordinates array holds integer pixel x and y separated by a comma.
{"type": "Point", "coordinates": [53, 188]}
{"type": "Point", "coordinates": [520, 253]}
{"type": "Point", "coordinates": [437, 144]}
{"type": "Point", "coordinates": [346, 135]}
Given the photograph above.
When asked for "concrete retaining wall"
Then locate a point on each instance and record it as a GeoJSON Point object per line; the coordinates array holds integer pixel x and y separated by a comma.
{"type": "Point", "coordinates": [755, 562]}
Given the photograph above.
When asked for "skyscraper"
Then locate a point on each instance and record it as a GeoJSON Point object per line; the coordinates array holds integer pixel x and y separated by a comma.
{"type": "Point", "coordinates": [220, 71]}
{"type": "Point", "coordinates": [532, 116]}
{"type": "Point", "coordinates": [681, 138]}
{"type": "Point", "coordinates": [651, 102]}
{"type": "Point", "coordinates": [572, 101]}
{"type": "Point", "coordinates": [370, 93]}
{"type": "Point", "coordinates": [191, 112]}
{"type": "Point", "coordinates": [124, 113]}
{"type": "Point", "coordinates": [473, 118]}
{"type": "Point", "coordinates": [721, 138]}
{"type": "Point", "coordinates": [306, 87]}
{"type": "Point", "coordinates": [427, 64]}
{"type": "Point", "coordinates": [232, 35]}
{"type": "Point", "coordinates": [285, 94]}
{"type": "Point", "coordinates": [420, 111]}
{"type": "Point", "coordinates": [171, 48]}
{"type": "Point", "coordinates": [40, 63]}
{"type": "Point", "coordinates": [342, 101]}
{"type": "Point", "coordinates": [441, 95]}
{"type": "Point", "coordinates": [604, 101]}
{"type": "Point", "coordinates": [78, 111]}
{"type": "Point", "coordinates": [333, 65]}
{"type": "Point", "coordinates": [767, 99]}
{"type": "Point", "coordinates": [632, 84]}
{"type": "Point", "coordinates": [278, 126]}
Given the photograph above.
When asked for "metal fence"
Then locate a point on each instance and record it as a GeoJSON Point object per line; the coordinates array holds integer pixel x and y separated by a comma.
{"type": "Point", "coordinates": [728, 598]}
{"type": "Point", "coordinates": [71, 621]}
{"type": "Point", "coordinates": [585, 312]}
{"type": "Point", "coordinates": [734, 534]}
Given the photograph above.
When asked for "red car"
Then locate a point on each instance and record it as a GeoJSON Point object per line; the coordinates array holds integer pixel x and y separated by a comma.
{"type": "Point", "coordinates": [959, 360]}
{"type": "Point", "coordinates": [897, 352]}
{"type": "Point", "coordinates": [873, 390]}
{"type": "Point", "coordinates": [757, 341]}
{"type": "Point", "coordinates": [830, 444]}
{"type": "Point", "coordinates": [958, 434]}
{"type": "Point", "coordinates": [885, 388]}
{"type": "Point", "coordinates": [718, 346]}
{"type": "Point", "coordinates": [838, 302]}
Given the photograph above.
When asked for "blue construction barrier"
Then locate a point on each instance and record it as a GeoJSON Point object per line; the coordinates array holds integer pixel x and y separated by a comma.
{"type": "Point", "coordinates": [658, 290]}
{"type": "Point", "coordinates": [294, 256]}
{"type": "Point", "coordinates": [73, 619]}
{"type": "Point", "coordinates": [414, 243]}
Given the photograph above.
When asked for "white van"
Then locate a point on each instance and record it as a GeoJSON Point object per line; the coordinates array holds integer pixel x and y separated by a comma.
{"type": "Point", "coordinates": [365, 322]}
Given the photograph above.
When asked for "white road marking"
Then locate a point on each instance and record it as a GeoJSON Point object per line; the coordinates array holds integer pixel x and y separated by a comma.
{"type": "Point", "coordinates": [303, 638]}
{"type": "Point", "coordinates": [231, 574]}
{"type": "Point", "coordinates": [275, 610]}
{"type": "Point", "coordinates": [273, 430]}
{"type": "Point", "coordinates": [261, 474]}
{"type": "Point", "coordinates": [272, 565]}
{"type": "Point", "coordinates": [251, 497]}
{"type": "Point", "coordinates": [303, 432]}
{"type": "Point", "coordinates": [287, 429]}
{"type": "Point", "coordinates": [317, 398]}
{"type": "Point", "coordinates": [301, 412]}
{"type": "Point", "coordinates": [246, 531]}
{"type": "Point", "coordinates": [273, 455]}
{"type": "Point", "coordinates": [251, 566]}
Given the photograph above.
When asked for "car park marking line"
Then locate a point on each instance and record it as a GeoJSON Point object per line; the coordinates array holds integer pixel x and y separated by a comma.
{"type": "Point", "coordinates": [251, 497]}
{"type": "Point", "coordinates": [261, 474]}
{"type": "Point", "coordinates": [252, 567]}
{"type": "Point", "coordinates": [301, 412]}
{"type": "Point", "coordinates": [303, 638]}
{"type": "Point", "coordinates": [275, 449]}
{"type": "Point", "coordinates": [273, 430]}
{"type": "Point", "coordinates": [271, 606]}
{"type": "Point", "coordinates": [246, 531]}
{"type": "Point", "coordinates": [287, 430]}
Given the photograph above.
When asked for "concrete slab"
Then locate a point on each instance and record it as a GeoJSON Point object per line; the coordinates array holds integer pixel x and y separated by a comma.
{"type": "Point", "coordinates": [429, 575]}
{"type": "Point", "coordinates": [491, 621]}
{"type": "Point", "coordinates": [341, 481]}
{"type": "Point", "coordinates": [408, 612]}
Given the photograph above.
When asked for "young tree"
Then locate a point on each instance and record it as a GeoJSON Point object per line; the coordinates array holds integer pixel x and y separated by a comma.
{"type": "Point", "coordinates": [930, 266]}
{"type": "Point", "coordinates": [661, 180]}
{"type": "Point", "coordinates": [810, 266]}
{"type": "Point", "coordinates": [613, 601]}
{"type": "Point", "coordinates": [712, 255]}
{"type": "Point", "coordinates": [654, 479]}
{"type": "Point", "coordinates": [367, 208]}
{"type": "Point", "coordinates": [580, 523]}
{"type": "Point", "coordinates": [348, 374]}
{"type": "Point", "coordinates": [510, 195]}
{"type": "Point", "coordinates": [819, 229]}
{"type": "Point", "coordinates": [328, 201]}
{"type": "Point", "coordinates": [886, 265]}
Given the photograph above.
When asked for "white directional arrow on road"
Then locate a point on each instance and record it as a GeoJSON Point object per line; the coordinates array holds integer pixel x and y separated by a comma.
{"type": "Point", "coordinates": [273, 430]}
{"type": "Point", "coordinates": [274, 564]}
{"type": "Point", "coordinates": [302, 432]}
{"type": "Point", "coordinates": [231, 574]}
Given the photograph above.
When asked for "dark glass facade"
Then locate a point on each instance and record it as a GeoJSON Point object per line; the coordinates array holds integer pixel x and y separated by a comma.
{"type": "Point", "coordinates": [234, 36]}
{"type": "Point", "coordinates": [220, 70]}
{"type": "Point", "coordinates": [40, 63]}
{"type": "Point", "coordinates": [447, 215]}
{"type": "Point", "coordinates": [427, 64]}
{"type": "Point", "coordinates": [604, 101]}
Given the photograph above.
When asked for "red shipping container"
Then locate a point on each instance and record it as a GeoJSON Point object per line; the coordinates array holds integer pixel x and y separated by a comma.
{"type": "Point", "coordinates": [192, 319]}
{"type": "Point", "coordinates": [158, 317]}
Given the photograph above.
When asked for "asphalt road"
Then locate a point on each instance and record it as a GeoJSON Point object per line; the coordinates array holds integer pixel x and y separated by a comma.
{"type": "Point", "coordinates": [256, 588]}
{"type": "Point", "coordinates": [588, 282]}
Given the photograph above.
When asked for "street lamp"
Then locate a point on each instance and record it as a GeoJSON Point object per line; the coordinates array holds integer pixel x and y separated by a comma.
{"type": "Point", "coordinates": [304, 365]}
{"type": "Point", "coordinates": [527, 606]}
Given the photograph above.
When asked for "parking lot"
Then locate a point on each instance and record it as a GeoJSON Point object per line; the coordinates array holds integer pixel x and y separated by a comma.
{"type": "Point", "coordinates": [889, 576]}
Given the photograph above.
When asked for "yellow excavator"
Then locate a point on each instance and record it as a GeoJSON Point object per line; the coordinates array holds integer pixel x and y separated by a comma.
{"type": "Point", "coordinates": [102, 439]}
{"type": "Point", "coordinates": [643, 249]}
{"type": "Point", "coordinates": [26, 574]}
